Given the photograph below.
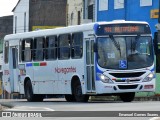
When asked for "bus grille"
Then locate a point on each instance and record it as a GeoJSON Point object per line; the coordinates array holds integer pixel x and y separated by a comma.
{"type": "Point", "coordinates": [125, 75]}
{"type": "Point", "coordinates": [127, 86]}
{"type": "Point", "coordinates": [136, 80]}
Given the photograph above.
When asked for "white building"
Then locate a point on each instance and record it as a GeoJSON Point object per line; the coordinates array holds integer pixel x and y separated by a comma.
{"type": "Point", "coordinates": [21, 17]}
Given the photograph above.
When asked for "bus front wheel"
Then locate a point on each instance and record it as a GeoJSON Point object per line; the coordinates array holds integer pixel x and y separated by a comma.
{"type": "Point", "coordinates": [29, 93]}
{"type": "Point", "coordinates": [127, 97]}
{"type": "Point", "coordinates": [79, 97]}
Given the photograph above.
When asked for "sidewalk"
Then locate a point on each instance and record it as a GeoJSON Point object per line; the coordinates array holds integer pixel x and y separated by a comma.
{"type": "Point", "coordinates": [2, 108]}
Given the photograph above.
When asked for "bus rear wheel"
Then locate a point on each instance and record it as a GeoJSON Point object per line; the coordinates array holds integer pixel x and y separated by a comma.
{"type": "Point", "coordinates": [70, 98]}
{"type": "Point", "coordinates": [77, 91]}
{"type": "Point", "coordinates": [127, 97]}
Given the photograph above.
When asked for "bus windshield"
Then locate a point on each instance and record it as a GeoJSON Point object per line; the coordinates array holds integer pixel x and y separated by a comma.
{"type": "Point", "coordinates": [127, 52]}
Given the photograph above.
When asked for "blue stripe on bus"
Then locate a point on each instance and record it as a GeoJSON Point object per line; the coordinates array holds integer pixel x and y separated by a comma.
{"type": "Point", "coordinates": [124, 79]}
{"type": "Point", "coordinates": [97, 69]}
{"type": "Point", "coordinates": [29, 65]}
{"type": "Point", "coordinates": [96, 27]}
{"type": "Point", "coordinates": [153, 69]}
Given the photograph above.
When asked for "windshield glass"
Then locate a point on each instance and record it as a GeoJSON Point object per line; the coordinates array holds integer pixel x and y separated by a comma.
{"type": "Point", "coordinates": [131, 52]}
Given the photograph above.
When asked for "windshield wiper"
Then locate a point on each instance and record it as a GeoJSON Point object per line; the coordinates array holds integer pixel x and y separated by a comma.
{"type": "Point", "coordinates": [133, 45]}
{"type": "Point", "coordinates": [116, 44]}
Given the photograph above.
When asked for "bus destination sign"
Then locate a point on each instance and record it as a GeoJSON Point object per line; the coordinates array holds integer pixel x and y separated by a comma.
{"type": "Point", "coordinates": [120, 29]}
{"type": "Point", "coordinates": [123, 29]}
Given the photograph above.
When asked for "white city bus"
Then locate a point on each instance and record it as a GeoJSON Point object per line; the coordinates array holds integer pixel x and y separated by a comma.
{"type": "Point", "coordinates": [103, 58]}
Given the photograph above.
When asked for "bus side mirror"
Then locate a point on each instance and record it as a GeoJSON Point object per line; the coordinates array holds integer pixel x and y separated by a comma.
{"type": "Point", "coordinates": [95, 47]}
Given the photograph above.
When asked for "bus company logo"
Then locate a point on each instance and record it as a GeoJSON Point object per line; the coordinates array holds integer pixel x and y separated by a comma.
{"type": "Point", "coordinates": [6, 114]}
{"type": "Point", "coordinates": [65, 70]}
{"type": "Point", "coordinates": [21, 114]}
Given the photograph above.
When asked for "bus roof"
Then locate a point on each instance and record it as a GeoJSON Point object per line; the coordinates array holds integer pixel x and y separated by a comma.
{"type": "Point", "coordinates": [63, 30]}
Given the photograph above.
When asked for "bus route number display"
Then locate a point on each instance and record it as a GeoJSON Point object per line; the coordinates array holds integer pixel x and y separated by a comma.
{"type": "Point", "coordinates": [125, 29]}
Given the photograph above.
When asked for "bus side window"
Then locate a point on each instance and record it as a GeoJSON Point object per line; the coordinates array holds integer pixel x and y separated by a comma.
{"type": "Point", "coordinates": [39, 49]}
{"type": "Point", "coordinates": [77, 45]}
{"type": "Point", "coordinates": [26, 50]}
{"type": "Point", "coordinates": [6, 52]}
{"type": "Point", "coordinates": [51, 48]}
{"type": "Point", "coordinates": [64, 46]}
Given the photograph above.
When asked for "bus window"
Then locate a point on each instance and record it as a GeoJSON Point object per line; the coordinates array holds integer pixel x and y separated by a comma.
{"type": "Point", "coordinates": [6, 51]}
{"type": "Point", "coordinates": [64, 46]}
{"type": "Point", "coordinates": [77, 45]}
{"type": "Point", "coordinates": [26, 50]}
{"type": "Point", "coordinates": [38, 49]}
{"type": "Point", "coordinates": [51, 47]}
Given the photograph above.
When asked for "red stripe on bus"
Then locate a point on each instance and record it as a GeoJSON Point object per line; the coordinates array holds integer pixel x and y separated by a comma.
{"type": "Point", "coordinates": [43, 64]}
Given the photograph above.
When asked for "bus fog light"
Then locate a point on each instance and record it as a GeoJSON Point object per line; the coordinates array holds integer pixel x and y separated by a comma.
{"type": "Point", "coordinates": [149, 77]}
{"type": "Point", "coordinates": [104, 78]}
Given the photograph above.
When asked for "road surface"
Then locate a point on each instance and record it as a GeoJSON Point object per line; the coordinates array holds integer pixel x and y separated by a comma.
{"type": "Point", "coordinates": [93, 110]}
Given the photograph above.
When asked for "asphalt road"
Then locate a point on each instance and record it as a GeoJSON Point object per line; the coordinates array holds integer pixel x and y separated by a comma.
{"type": "Point", "coordinates": [105, 110]}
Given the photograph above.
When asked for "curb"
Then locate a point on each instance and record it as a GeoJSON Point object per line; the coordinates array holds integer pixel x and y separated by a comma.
{"type": "Point", "coordinates": [115, 98]}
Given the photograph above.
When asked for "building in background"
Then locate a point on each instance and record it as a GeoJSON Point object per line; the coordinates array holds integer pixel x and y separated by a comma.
{"type": "Point", "coordinates": [74, 12]}
{"type": "Point", "coordinates": [139, 10]}
{"type": "Point", "coordinates": [47, 14]}
{"type": "Point", "coordinates": [32, 15]}
{"type": "Point", "coordinates": [21, 17]}
{"type": "Point", "coordinates": [80, 11]}
{"type": "Point", "coordinates": [89, 10]}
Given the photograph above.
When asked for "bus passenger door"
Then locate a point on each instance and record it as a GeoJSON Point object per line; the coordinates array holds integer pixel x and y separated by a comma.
{"type": "Point", "coordinates": [90, 77]}
{"type": "Point", "coordinates": [13, 66]}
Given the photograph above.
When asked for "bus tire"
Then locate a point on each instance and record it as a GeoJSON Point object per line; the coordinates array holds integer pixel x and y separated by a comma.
{"type": "Point", "coordinates": [70, 98]}
{"type": "Point", "coordinates": [29, 93]}
{"type": "Point", "coordinates": [127, 97]}
{"type": "Point", "coordinates": [38, 98]}
{"type": "Point", "coordinates": [77, 91]}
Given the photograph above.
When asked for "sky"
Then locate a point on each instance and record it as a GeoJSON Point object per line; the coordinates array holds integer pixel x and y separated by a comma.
{"type": "Point", "coordinates": [6, 7]}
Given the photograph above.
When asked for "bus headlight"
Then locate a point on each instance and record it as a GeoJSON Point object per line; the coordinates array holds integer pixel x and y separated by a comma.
{"type": "Point", "coordinates": [149, 77]}
{"type": "Point", "coordinates": [104, 78]}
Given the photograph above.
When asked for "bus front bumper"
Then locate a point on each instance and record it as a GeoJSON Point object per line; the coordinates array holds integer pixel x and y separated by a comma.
{"type": "Point", "coordinates": [105, 88]}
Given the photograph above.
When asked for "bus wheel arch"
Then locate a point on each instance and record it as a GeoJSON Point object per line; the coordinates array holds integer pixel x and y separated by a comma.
{"type": "Point", "coordinates": [77, 90]}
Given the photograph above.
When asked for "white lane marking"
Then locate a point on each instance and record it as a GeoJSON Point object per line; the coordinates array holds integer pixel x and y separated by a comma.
{"type": "Point", "coordinates": [26, 108]}
{"type": "Point", "coordinates": [155, 118]}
